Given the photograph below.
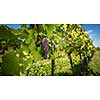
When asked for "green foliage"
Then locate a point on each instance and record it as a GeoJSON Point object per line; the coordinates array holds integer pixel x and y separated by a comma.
{"type": "Point", "coordinates": [21, 52]}
{"type": "Point", "coordinates": [94, 64]}
{"type": "Point", "coordinates": [10, 64]}
{"type": "Point", "coordinates": [43, 68]}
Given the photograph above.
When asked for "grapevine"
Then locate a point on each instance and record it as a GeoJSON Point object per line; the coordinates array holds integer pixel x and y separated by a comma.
{"type": "Point", "coordinates": [45, 49]}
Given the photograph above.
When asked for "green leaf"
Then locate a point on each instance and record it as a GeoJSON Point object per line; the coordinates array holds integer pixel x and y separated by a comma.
{"type": "Point", "coordinates": [10, 64]}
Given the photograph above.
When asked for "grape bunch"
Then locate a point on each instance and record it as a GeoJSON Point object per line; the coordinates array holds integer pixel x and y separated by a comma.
{"type": "Point", "coordinates": [45, 47]}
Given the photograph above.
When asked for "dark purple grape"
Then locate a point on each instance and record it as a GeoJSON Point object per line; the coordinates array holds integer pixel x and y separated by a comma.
{"type": "Point", "coordinates": [45, 47]}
